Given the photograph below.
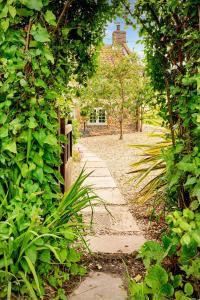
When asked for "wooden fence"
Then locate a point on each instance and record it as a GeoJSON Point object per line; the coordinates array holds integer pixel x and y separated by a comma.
{"type": "Point", "coordinates": [66, 167]}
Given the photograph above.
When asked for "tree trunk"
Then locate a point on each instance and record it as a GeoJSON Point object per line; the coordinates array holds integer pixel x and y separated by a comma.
{"type": "Point", "coordinates": [137, 121]}
{"type": "Point", "coordinates": [141, 118]}
{"type": "Point", "coordinates": [121, 128]}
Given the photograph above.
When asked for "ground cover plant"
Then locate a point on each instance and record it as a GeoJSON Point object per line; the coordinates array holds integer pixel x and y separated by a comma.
{"type": "Point", "coordinates": [43, 44]}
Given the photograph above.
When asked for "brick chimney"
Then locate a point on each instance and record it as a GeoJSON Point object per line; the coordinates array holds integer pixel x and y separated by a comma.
{"type": "Point", "coordinates": [118, 36]}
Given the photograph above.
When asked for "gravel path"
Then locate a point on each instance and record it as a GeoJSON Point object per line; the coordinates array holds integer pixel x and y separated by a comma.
{"type": "Point", "coordinates": [118, 156]}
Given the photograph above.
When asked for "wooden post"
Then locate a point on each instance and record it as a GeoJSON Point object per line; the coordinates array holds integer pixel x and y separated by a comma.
{"type": "Point", "coordinates": [68, 157]}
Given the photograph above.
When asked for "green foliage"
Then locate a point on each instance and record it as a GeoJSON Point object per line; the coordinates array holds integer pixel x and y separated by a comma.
{"type": "Point", "coordinates": [171, 34]}
{"type": "Point", "coordinates": [34, 245]}
{"type": "Point", "coordinates": [151, 168]}
{"type": "Point", "coordinates": [170, 31]}
{"type": "Point", "coordinates": [41, 51]}
{"type": "Point", "coordinates": [173, 268]}
{"type": "Point", "coordinates": [115, 86]}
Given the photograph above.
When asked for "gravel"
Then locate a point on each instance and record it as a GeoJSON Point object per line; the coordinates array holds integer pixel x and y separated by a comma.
{"type": "Point", "coordinates": [118, 156]}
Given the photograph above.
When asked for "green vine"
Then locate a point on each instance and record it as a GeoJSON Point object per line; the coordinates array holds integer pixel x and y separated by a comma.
{"type": "Point", "coordinates": [43, 45]}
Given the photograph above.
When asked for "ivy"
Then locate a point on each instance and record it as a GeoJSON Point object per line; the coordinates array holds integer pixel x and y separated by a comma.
{"type": "Point", "coordinates": [41, 51]}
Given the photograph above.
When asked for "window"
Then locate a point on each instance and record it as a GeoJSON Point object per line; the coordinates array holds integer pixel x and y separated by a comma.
{"type": "Point", "coordinates": [98, 116]}
{"type": "Point", "coordinates": [102, 116]}
{"type": "Point", "coordinates": [93, 116]}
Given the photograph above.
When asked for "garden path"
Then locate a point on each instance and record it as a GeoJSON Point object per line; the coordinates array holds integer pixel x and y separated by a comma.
{"type": "Point", "coordinates": [114, 230]}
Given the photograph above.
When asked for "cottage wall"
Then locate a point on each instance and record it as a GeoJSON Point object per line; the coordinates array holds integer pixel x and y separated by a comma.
{"type": "Point", "coordinates": [112, 127]}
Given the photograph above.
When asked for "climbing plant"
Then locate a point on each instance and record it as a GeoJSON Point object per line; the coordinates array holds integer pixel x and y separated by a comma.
{"type": "Point", "coordinates": [43, 44]}
{"type": "Point", "coordinates": [171, 34]}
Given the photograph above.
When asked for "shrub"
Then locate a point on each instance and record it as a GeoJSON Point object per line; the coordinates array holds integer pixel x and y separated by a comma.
{"type": "Point", "coordinates": [173, 267]}
{"type": "Point", "coordinates": [34, 245]}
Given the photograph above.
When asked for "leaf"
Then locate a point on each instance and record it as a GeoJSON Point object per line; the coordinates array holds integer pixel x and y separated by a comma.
{"type": "Point", "coordinates": [32, 123]}
{"type": "Point", "coordinates": [40, 83]}
{"type": "Point", "coordinates": [73, 255]}
{"type": "Point", "coordinates": [167, 289]}
{"type": "Point", "coordinates": [24, 170]}
{"type": "Point", "coordinates": [40, 136]}
{"type": "Point", "coordinates": [31, 252]}
{"type": "Point", "coordinates": [50, 18]}
{"type": "Point", "coordinates": [37, 159]}
{"type": "Point", "coordinates": [28, 285]}
{"type": "Point", "coordinates": [12, 11]}
{"type": "Point", "coordinates": [188, 289]}
{"type": "Point", "coordinates": [4, 12]}
{"type": "Point", "coordinates": [23, 82]}
{"type": "Point", "coordinates": [79, 31]}
{"type": "Point", "coordinates": [3, 118]}
{"type": "Point", "coordinates": [31, 266]}
{"type": "Point", "coordinates": [38, 173]}
{"type": "Point", "coordinates": [49, 56]}
{"type": "Point", "coordinates": [40, 34]}
{"type": "Point", "coordinates": [10, 147]}
{"type": "Point", "coordinates": [59, 176]}
{"type": "Point", "coordinates": [33, 4]}
{"type": "Point", "coordinates": [194, 205]}
{"type": "Point", "coordinates": [5, 24]}
{"type": "Point", "coordinates": [50, 140]}
{"type": "Point", "coordinates": [156, 277]}
{"type": "Point", "coordinates": [65, 31]}
{"type": "Point", "coordinates": [45, 256]}
{"type": "Point", "coordinates": [3, 132]}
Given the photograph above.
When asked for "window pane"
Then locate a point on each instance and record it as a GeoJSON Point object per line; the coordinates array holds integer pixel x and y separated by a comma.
{"type": "Point", "coordinates": [93, 117]}
{"type": "Point", "coordinates": [102, 116]}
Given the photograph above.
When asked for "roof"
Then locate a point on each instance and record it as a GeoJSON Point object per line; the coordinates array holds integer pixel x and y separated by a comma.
{"type": "Point", "coordinates": [106, 52]}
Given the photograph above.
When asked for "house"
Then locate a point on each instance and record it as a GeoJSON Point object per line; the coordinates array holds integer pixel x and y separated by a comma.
{"type": "Point", "coordinates": [100, 122]}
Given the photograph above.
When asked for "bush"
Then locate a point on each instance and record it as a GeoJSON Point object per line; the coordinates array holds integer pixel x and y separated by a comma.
{"type": "Point", "coordinates": [173, 267]}
{"type": "Point", "coordinates": [34, 245]}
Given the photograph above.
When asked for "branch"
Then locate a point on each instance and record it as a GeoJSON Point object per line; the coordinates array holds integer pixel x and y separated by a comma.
{"type": "Point", "coordinates": [199, 15]}
{"type": "Point", "coordinates": [153, 14]}
{"type": "Point", "coordinates": [28, 34]}
{"type": "Point", "coordinates": [64, 11]}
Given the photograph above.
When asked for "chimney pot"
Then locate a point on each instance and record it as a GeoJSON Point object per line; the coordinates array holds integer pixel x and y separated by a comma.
{"type": "Point", "coordinates": [119, 36]}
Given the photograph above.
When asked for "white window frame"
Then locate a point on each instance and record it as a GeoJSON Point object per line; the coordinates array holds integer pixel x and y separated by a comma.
{"type": "Point", "coordinates": [97, 109]}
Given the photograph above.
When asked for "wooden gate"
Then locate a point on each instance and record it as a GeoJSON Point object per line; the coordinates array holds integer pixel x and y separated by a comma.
{"type": "Point", "coordinates": [66, 167]}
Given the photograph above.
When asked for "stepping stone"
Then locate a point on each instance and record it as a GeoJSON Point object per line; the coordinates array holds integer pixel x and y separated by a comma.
{"type": "Point", "coordinates": [110, 196]}
{"type": "Point", "coordinates": [121, 220]}
{"type": "Point", "coordinates": [89, 154]}
{"type": "Point", "coordinates": [90, 158]}
{"type": "Point", "coordinates": [100, 286]}
{"type": "Point", "coordinates": [115, 243]}
{"type": "Point", "coordinates": [99, 172]}
{"type": "Point", "coordinates": [100, 182]}
{"type": "Point", "coordinates": [94, 164]}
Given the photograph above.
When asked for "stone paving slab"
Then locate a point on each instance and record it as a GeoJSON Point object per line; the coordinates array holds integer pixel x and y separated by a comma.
{"type": "Point", "coordinates": [94, 164]}
{"type": "Point", "coordinates": [91, 158]}
{"type": "Point", "coordinates": [115, 243]}
{"type": "Point", "coordinates": [114, 220]}
{"type": "Point", "coordinates": [110, 196]}
{"type": "Point", "coordinates": [99, 172]}
{"type": "Point", "coordinates": [101, 182]}
{"type": "Point", "coordinates": [100, 286]}
{"type": "Point", "coordinates": [88, 154]}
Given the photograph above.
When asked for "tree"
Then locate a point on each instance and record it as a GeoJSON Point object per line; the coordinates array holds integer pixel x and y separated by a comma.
{"type": "Point", "coordinates": [115, 86]}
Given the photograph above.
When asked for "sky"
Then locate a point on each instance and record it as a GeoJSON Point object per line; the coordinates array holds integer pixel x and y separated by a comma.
{"type": "Point", "coordinates": [131, 35]}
